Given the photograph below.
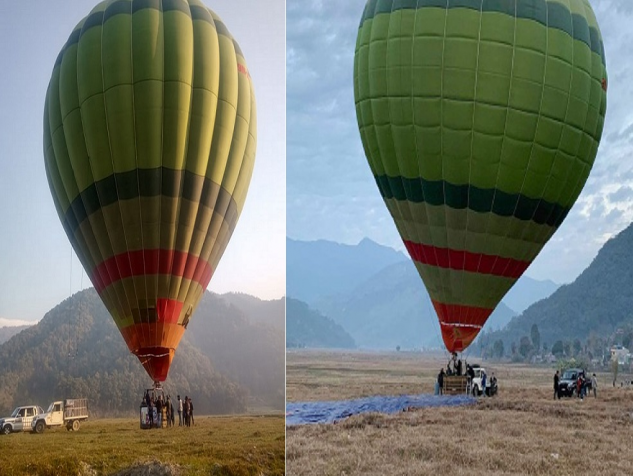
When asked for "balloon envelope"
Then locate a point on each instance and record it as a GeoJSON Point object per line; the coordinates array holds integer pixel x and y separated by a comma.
{"type": "Point", "coordinates": [480, 120]}
{"type": "Point", "coordinates": [149, 145]}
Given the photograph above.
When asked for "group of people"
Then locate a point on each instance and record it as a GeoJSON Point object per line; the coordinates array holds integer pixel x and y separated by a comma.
{"type": "Point", "coordinates": [582, 384]}
{"type": "Point", "coordinates": [455, 368]}
{"type": "Point", "coordinates": [185, 411]}
{"type": "Point", "coordinates": [159, 410]}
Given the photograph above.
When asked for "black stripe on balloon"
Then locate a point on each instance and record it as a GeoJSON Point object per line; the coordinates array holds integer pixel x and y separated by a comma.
{"type": "Point", "coordinates": [151, 183]}
{"type": "Point", "coordinates": [201, 13]}
{"type": "Point", "coordinates": [439, 192]}
{"type": "Point", "coordinates": [143, 4]}
{"type": "Point", "coordinates": [550, 14]}
{"type": "Point", "coordinates": [177, 6]}
{"type": "Point", "coordinates": [122, 6]}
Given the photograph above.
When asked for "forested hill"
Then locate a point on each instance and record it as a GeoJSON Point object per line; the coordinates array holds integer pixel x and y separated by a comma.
{"type": "Point", "coordinates": [76, 350]}
{"type": "Point", "coordinates": [9, 331]}
{"type": "Point", "coordinates": [309, 328]}
{"type": "Point", "coordinates": [599, 301]}
{"type": "Point", "coordinates": [243, 338]}
{"type": "Point", "coordinates": [270, 313]}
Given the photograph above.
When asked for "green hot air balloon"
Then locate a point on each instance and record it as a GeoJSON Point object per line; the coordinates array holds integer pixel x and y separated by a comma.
{"type": "Point", "coordinates": [149, 145]}
{"type": "Point", "coordinates": [480, 120]}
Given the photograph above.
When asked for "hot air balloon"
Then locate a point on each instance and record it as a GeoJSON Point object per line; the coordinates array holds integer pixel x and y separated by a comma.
{"type": "Point", "coordinates": [480, 120]}
{"type": "Point", "coordinates": [149, 146]}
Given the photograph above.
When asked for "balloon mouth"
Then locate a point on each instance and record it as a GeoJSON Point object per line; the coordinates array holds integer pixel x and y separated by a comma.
{"type": "Point", "coordinates": [456, 337]}
{"type": "Point", "coordinates": [156, 361]}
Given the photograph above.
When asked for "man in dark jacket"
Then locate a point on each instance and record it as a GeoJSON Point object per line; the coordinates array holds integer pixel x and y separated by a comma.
{"type": "Point", "coordinates": [556, 379]}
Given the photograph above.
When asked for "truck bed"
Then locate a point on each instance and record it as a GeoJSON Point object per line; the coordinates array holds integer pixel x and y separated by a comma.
{"type": "Point", "coordinates": [75, 408]}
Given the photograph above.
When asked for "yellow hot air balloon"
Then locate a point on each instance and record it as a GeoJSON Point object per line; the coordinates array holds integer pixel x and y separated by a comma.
{"type": "Point", "coordinates": [149, 145]}
{"type": "Point", "coordinates": [481, 121]}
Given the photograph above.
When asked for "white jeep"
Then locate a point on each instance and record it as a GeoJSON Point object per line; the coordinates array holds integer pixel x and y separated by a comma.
{"type": "Point", "coordinates": [476, 384]}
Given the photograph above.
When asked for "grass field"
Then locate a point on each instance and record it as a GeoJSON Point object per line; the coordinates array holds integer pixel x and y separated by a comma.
{"type": "Point", "coordinates": [522, 431]}
{"type": "Point", "coordinates": [226, 446]}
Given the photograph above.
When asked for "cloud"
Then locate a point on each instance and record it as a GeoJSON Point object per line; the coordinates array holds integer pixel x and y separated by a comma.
{"type": "Point", "coordinates": [15, 322]}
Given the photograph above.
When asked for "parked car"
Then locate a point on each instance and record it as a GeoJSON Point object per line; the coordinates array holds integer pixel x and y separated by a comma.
{"type": "Point", "coordinates": [568, 383]}
{"type": "Point", "coordinates": [20, 419]}
{"type": "Point", "coordinates": [69, 412]}
{"type": "Point", "coordinates": [476, 383]}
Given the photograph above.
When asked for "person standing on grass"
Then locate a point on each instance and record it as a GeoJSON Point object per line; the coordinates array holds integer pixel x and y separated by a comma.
{"type": "Point", "coordinates": [168, 411]}
{"type": "Point", "coordinates": [159, 411]}
{"type": "Point", "coordinates": [556, 380]}
{"type": "Point", "coordinates": [594, 385]}
{"type": "Point", "coordinates": [440, 381]}
{"type": "Point", "coordinates": [179, 411]}
{"type": "Point", "coordinates": [579, 386]}
{"type": "Point", "coordinates": [483, 383]}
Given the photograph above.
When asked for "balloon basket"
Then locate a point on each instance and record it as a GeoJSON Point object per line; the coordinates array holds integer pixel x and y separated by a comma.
{"type": "Point", "coordinates": [146, 417]}
{"type": "Point", "coordinates": [149, 417]}
{"type": "Point", "coordinates": [455, 385]}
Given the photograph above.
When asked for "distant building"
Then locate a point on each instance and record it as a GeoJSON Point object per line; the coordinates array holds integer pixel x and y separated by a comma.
{"type": "Point", "coordinates": [621, 354]}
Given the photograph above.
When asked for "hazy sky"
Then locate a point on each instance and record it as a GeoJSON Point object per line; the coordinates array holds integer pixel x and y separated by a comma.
{"type": "Point", "coordinates": [35, 255]}
{"type": "Point", "coordinates": [331, 192]}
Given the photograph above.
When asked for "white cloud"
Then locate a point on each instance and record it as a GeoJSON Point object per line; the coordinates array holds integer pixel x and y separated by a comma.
{"type": "Point", "coordinates": [15, 322]}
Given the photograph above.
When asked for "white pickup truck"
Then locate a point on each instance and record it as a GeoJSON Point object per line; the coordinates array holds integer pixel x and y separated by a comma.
{"type": "Point", "coordinates": [69, 412]}
{"type": "Point", "coordinates": [20, 419]}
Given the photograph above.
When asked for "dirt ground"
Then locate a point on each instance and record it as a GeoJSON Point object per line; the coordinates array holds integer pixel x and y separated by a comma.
{"type": "Point", "coordinates": [521, 431]}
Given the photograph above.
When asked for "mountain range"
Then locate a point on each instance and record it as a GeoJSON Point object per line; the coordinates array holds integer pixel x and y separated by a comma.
{"type": "Point", "coordinates": [76, 350]}
{"type": "Point", "coordinates": [315, 269]}
{"type": "Point", "coordinates": [375, 293]}
{"type": "Point", "coordinates": [599, 302]}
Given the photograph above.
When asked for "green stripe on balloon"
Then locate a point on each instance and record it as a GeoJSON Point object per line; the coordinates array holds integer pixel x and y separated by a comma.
{"type": "Point", "coordinates": [549, 13]}
{"type": "Point", "coordinates": [150, 183]}
{"type": "Point", "coordinates": [472, 198]}
{"type": "Point", "coordinates": [452, 286]}
{"type": "Point", "coordinates": [487, 233]}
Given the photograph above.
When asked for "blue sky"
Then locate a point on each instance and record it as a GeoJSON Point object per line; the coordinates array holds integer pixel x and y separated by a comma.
{"type": "Point", "coordinates": [331, 193]}
{"type": "Point", "coordinates": [35, 256]}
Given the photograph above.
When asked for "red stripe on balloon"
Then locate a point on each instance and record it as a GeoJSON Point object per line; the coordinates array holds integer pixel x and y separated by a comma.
{"type": "Point", "coordinates": [150, 262]}
{"type": "Point", "coordinates": [460, 315]}
{"type": "Point", "coordinates": [466, 261]}
{"type": "Point", "coordinates": [460, 324]}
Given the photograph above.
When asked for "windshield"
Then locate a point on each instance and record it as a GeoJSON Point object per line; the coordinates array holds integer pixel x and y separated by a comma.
{"type": "Point", "coordinates": [50, 408]}
{"type": "Point", "coordinates": [15, 412]}
{"type": "Point", "coordinates": [569, 375]}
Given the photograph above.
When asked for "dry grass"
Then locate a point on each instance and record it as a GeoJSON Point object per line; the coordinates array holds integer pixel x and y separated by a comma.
{"type": "Point", "coordinates": [227, 446]}
{"type": "Point", "coordinates": [521, 431]}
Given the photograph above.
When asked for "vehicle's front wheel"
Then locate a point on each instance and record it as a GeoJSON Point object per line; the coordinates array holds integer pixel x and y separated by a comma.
{"type": "Point", "coordinates": [6, 430]}
{"type": "Point", "coordinates": [39, 427]}
{"type": "Point", "coordinates": [475, 391]}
